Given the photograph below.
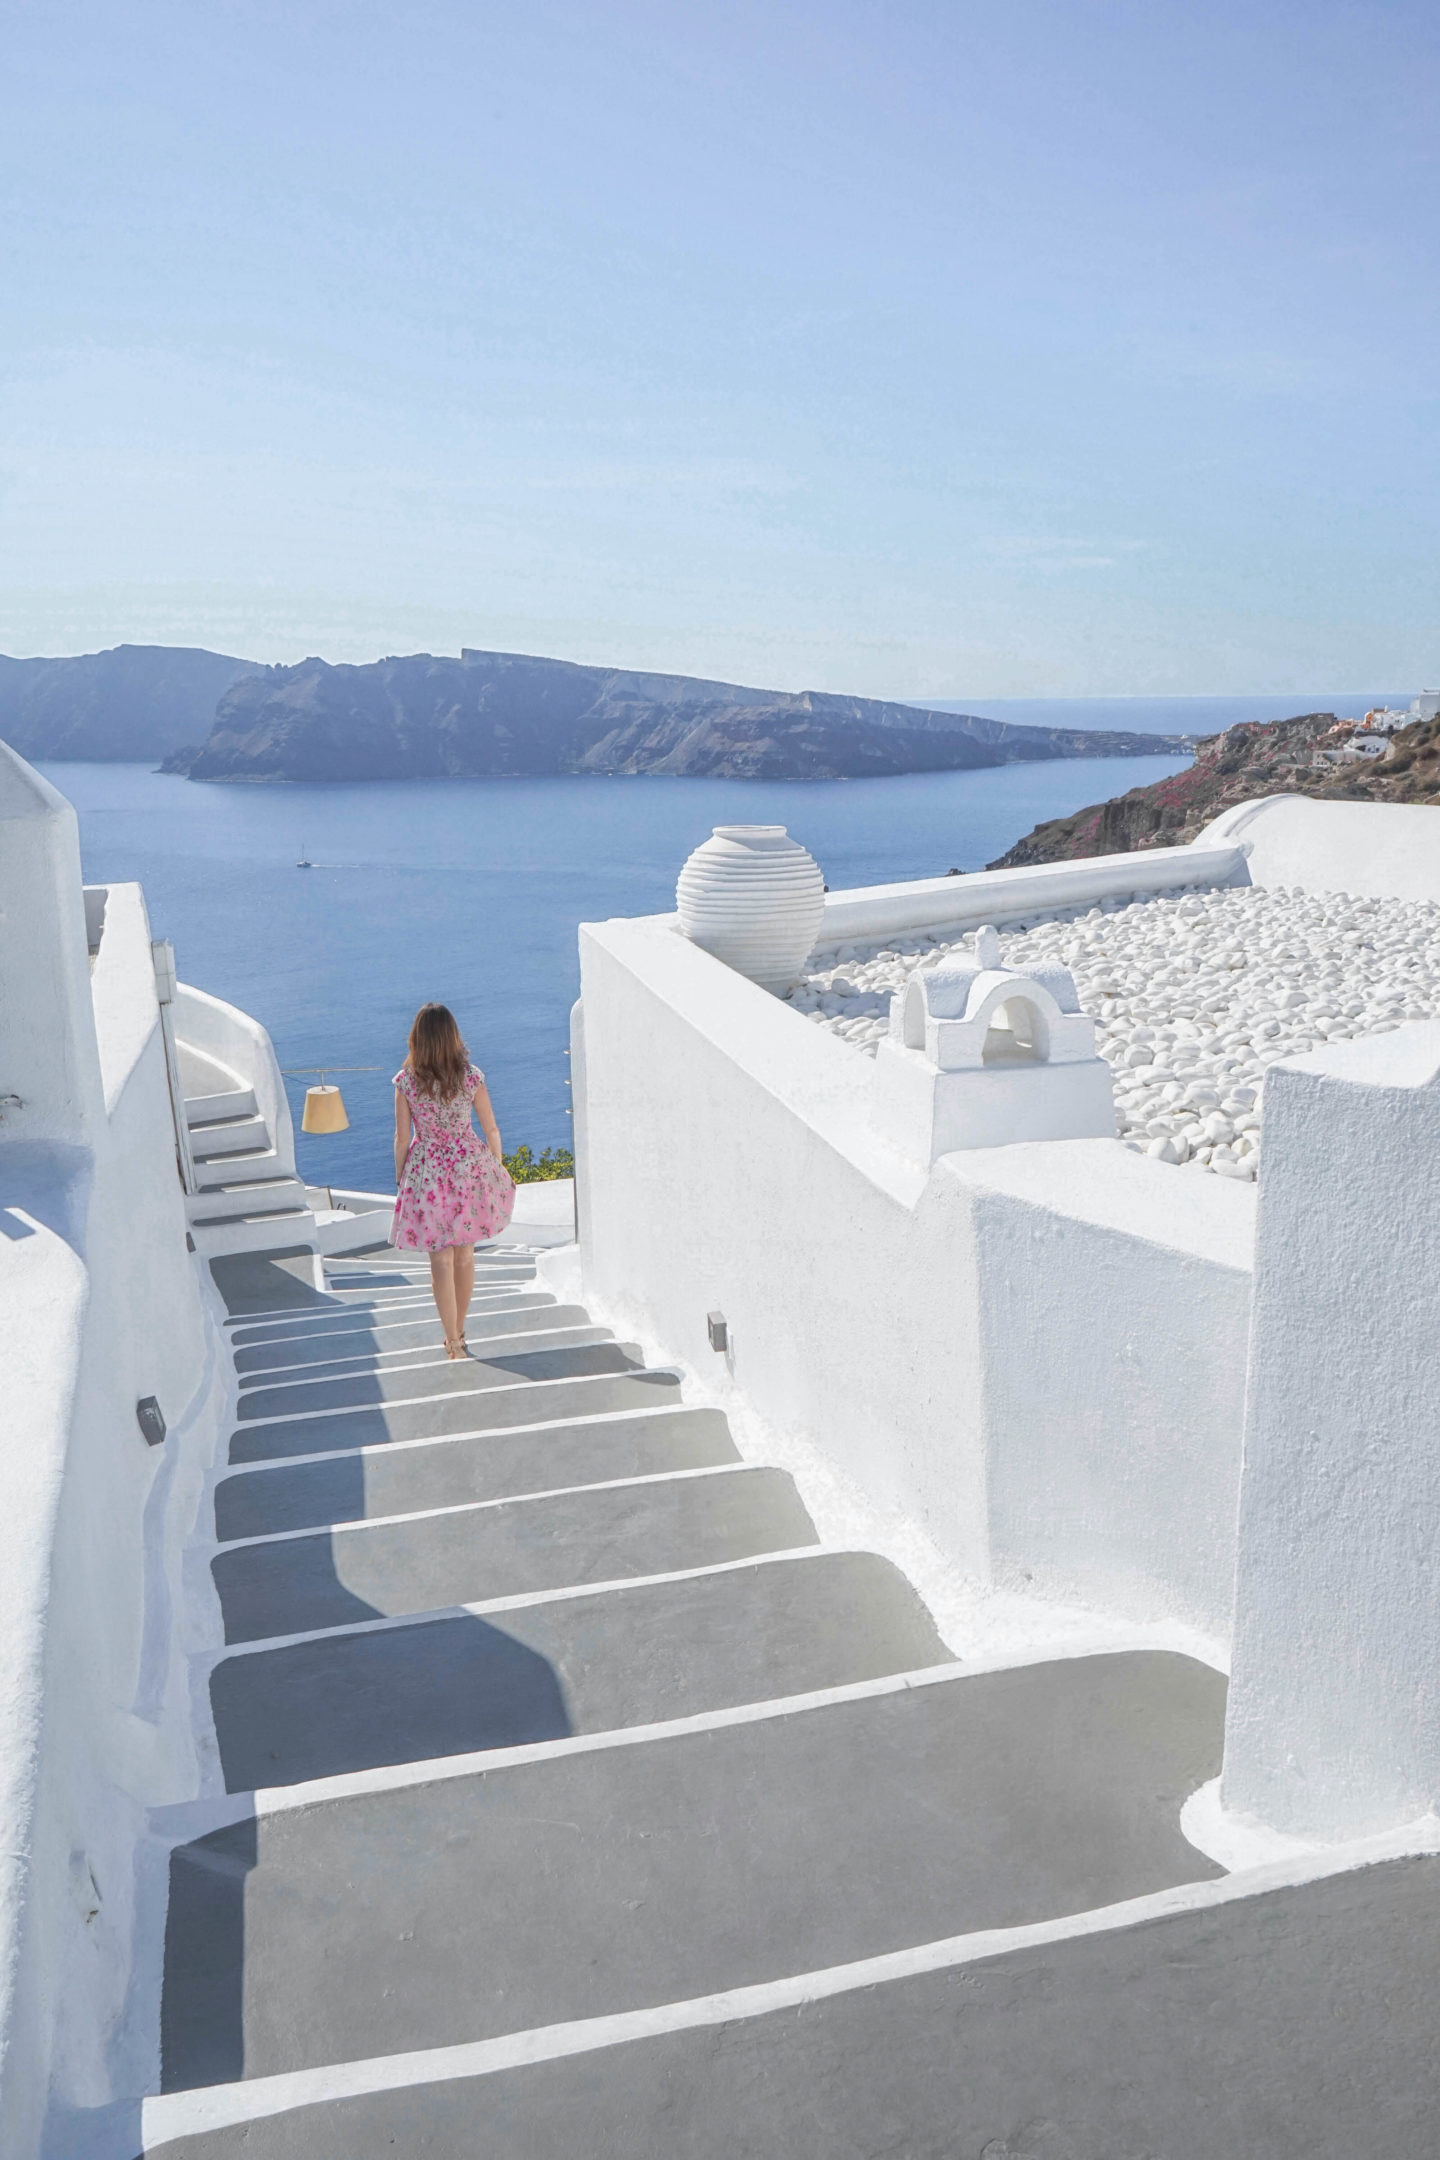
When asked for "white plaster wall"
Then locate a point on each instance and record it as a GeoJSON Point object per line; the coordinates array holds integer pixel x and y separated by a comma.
{"type": "Point", "coordinates": [1334, 1716]}
{"type": "Point", "coordinates": [99, 1303]}
{"type": "Point", "coordinates": [1035, 1352]}
{"type": "Point", "coordinates": [1374, 850]}
{"type": "Point", "coordinates": [1115, 1315]}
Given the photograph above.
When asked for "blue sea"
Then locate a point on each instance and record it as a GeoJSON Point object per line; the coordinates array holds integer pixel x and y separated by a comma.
{"type": "Point", "coordinates": [470, 890]}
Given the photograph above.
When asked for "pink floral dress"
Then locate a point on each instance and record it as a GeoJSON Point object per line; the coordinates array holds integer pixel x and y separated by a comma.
{"type": "Point", "coordinates": [453, 1191]}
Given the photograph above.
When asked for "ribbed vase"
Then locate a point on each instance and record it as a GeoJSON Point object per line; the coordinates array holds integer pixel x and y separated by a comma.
{"type": "Point", "coordinates": [756, 899]}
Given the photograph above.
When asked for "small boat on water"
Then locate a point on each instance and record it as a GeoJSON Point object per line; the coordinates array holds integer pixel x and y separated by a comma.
{"type": "Point", "coordinates": [304, 863]}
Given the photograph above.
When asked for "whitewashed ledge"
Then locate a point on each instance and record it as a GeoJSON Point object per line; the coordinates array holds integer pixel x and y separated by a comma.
{"type": "Point", "coordinates": [997, 895]}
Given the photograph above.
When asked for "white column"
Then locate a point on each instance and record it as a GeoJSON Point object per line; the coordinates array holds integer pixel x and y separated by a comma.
{"type": "Point", "coordinates": [48, 1052]}
{"type": "Point", "coordinates": [1334, 1716]}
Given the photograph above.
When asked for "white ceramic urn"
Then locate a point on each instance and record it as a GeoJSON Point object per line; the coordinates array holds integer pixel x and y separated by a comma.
{"type": "Point", "coordinates": [755, 898]}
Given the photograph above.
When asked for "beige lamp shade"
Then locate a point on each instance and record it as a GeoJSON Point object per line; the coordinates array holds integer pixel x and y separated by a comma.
{"type": "Point", "coordinates": [324, 1110]}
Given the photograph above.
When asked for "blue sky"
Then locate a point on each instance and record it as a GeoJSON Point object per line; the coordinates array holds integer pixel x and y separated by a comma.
{"type": "Point", "coordinates": [912, 349]}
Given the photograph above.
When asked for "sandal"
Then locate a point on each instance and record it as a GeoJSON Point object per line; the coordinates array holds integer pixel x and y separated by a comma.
{"type": "Point", "coordinates": [454, 1347]}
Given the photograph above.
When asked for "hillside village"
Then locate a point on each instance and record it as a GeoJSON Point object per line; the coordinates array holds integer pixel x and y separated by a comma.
{"type": "Point", "coordinates": [1386, 756]}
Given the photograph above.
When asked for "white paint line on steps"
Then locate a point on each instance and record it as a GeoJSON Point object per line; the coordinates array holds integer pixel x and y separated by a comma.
{"type": "Point", "coordinates": [480, 1507]}
{"type": "Point", "coordinates": [518, 1601]}
{"type": "Point", "coordinates": [408, 1402]}
{"type": "Point", "coordinates": [184, 1820]}
{"type": "Point", "coordinates": [385, 1448]}
{"type": "Point", "coordinates": [168, 2116]}
{"type": "Point", "coordinates": [552, 1338]}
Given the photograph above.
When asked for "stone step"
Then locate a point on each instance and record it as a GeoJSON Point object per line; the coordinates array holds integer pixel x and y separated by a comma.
{"type": "Point", "coordinates": [1196, 2034]}
{"type": "Point", "coordinates": [486, 1409]}
{"type": "Point", "coordinates": [609, 1877]}
{"type": "Point", "coordinates": [395, 1268]}
{"type": "Point", "coordinates": [397, 1480]}
{"type": "Point", "coordinates": [420, 1356]}
{"type": "Point", "coordinates": [246, 1235]}
{"type": "Point", "coordinates": [581, 1664]}
{"type": "Point", "coordinates": [219, 1107]}
{"type": "Point", "coordinates": [278, 1279]}
{"type": "Point", "coordinates": [230, 1136]}
{"type": "Point", "coordinates": [248, 1197]}
{"type": "Point", "coordinates": [287, 1585]}
{"type": "Point", "coordinates": [387, 1289]}
{"type": "Point", "coordinates": [311, 1393]}
{"type": "Point", "coordinates": [322, 1319]}
{"type": "Point", "coordinates": [401, 1339]}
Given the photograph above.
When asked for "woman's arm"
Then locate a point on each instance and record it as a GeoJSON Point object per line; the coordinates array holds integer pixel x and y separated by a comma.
{"type": "Point", "coordinates": [481, 1100]}
{"type": "Point", "coordinates": [402, 1135]}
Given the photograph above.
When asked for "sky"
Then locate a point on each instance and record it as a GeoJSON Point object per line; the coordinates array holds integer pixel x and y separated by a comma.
{"type": "Point", "coordinates": [914, 348]}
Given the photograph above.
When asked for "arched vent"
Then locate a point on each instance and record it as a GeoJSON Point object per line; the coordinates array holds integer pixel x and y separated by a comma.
{"type": "Point", "coordinates": [1017, 1035]}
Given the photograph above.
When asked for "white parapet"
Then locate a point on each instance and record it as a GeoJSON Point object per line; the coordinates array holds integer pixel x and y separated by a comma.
{"type": "Point", "coordinates": [1334, 1719]}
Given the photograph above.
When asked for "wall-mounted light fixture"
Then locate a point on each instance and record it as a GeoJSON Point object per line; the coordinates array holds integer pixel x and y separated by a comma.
{"type": "Point", "coordinates": [719, 1328]}
{"type": "Point", "coordinates": [151, 1420]}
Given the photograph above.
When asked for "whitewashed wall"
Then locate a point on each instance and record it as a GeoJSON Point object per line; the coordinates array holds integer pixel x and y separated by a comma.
{"type": "Point", "coordinates": [99, 1304]}
{"type": "Point", "coordinates": [1334, 1715]}
{"type": "Point", "coordinates": [1373, 850]}
{"type": "Point", "coordinates": [1036, 1352]}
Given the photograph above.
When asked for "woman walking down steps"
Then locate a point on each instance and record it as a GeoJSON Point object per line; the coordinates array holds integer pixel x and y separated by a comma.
{"type": "Point", "coordinates": [452, 1189]}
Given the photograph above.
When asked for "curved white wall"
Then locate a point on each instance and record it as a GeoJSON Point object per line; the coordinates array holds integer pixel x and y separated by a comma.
{"type": "Point", "coordinates": [1374, 850]}
{"type": "Point", "coordinates": [225, 1033]}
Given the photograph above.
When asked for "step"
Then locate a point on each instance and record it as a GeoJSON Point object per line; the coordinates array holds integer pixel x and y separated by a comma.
{"type": "Point", "coordinates": [421, 1357]}
{"type": "Point", "coordinates": [401, 1339]}
{"type": "Point", "coordinates": [277, 1277]}
{"type": "Point", "coordinates": [246, 1197]}
{"type": "Point", "coordinates": [611, 1876]}
{"type": "Point", "coordinates": [522, 1402]}
{"type": "Point", "coordinates": [250, 1234]}
{"type": "Point", "coordinates": [386, 1289]}
{"type": "Point", "coordinates": [323, 1319]}
{"type": "Point", "coordinates": [1195, 2034]}
{"type": "Point", "coordinates": [583, 1664]}
{"type": "Point", "coordinates": [286, 1585]}
{"type": "Point", "coordinates": [217, 1108]}
{"type": "Point", "coordinates": [230, 1136]}
{"type": "Point", "coordinates": [352, 1390]}
{"type": "Point", "coordinates": [405, 1478]}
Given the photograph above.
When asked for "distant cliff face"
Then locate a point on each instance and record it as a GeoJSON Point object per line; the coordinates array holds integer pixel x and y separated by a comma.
{"type": "Point", "coordinates": [136, 701]}
{"type": "Point", "coordinates": [498, 713]}
{"type": "Point", "coordinates": [1279, 757]}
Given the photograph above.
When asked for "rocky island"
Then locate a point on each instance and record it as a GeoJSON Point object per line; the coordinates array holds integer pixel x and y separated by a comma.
{"type": "Point", "coordinates": [1307, 755]}
{"type": "Point", "coordinates": [488, 713]}
{"type": "Point", "coordinates": [132, 702]}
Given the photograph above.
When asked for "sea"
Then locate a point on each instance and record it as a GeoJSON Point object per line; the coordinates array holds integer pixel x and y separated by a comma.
{"type": "Point", "coordinates": [470, 891]}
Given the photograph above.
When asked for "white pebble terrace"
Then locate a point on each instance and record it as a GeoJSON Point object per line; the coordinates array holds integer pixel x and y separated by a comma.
{"type": "Point", "coordinates": [1194, 995]}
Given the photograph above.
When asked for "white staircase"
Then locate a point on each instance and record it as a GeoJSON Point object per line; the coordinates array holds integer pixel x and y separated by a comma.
{"type": "Point", "coordinates": [248, 1197]}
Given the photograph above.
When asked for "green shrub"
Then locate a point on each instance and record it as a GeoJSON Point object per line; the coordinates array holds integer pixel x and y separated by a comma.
{"type": "Point", "coordinates": [528, 1168]}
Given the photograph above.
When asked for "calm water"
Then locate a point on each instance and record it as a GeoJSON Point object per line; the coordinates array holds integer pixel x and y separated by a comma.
{"type": "Point", "coordinates": [471, 890]}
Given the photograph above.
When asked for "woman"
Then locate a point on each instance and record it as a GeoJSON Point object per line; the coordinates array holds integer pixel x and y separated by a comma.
{"type": "Point", "coordinates": [452, 1187]}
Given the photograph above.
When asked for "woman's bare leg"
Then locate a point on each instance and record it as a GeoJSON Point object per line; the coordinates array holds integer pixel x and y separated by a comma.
{"type": "Point", "coordinates": [442, 1283]}
{"type": "Point", "coordinates": [464, 1284]}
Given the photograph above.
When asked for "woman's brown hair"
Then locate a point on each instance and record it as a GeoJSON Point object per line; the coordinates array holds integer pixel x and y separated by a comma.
{"type": "Point", "coordinates": [439, 1060]}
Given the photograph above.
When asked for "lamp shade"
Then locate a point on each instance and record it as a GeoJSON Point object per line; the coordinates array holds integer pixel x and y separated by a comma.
{"type": "Point", "coordinates": [324, 1110]}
